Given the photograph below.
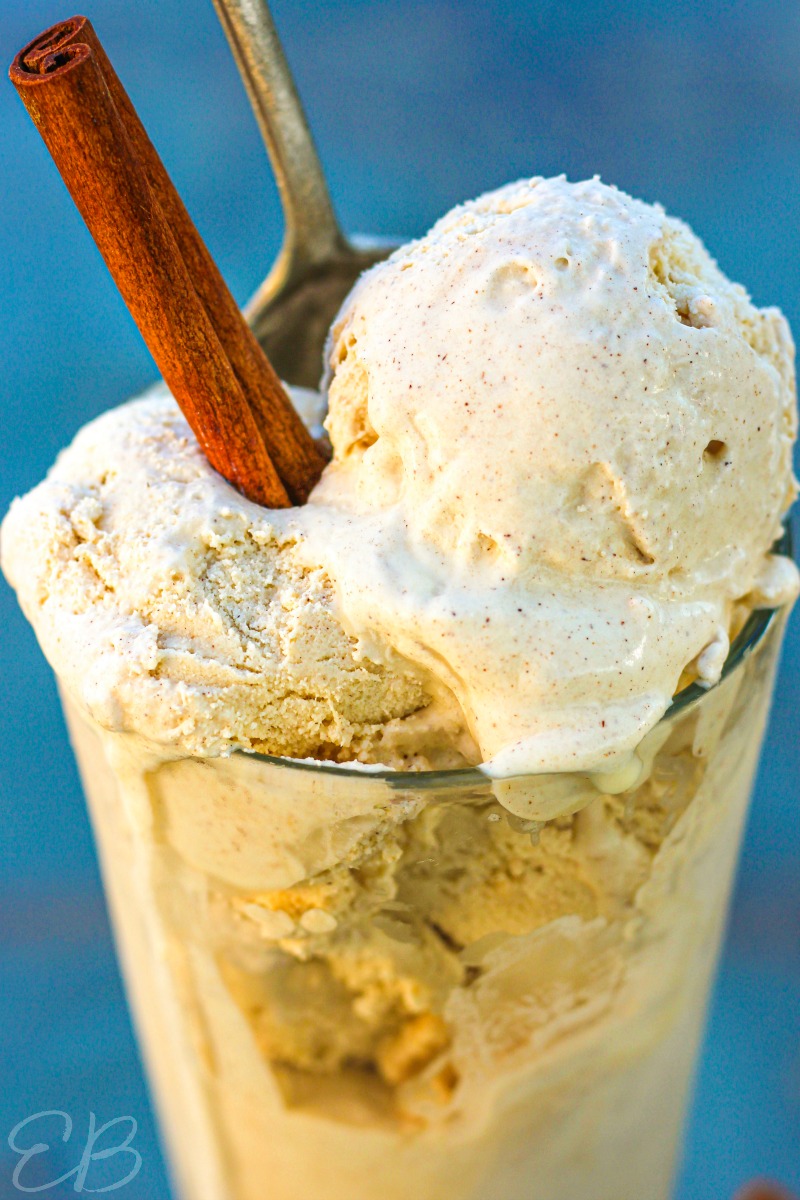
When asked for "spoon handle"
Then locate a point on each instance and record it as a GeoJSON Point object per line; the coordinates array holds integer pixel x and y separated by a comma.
{"type": "Point", "coordinates": [312, 234]}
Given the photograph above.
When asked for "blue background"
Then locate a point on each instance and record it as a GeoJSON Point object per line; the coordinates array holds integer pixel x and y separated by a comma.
{"type": "Point", "coordinates": [416, 104]}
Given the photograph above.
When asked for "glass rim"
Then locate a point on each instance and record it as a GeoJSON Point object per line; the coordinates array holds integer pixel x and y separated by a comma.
{"type": "Point", "coordinates": [747, 639]}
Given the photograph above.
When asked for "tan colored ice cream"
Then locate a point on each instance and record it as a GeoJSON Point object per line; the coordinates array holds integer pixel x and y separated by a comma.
{"type": "Point", "coordinates": [364, 988]}
{"type": "Point", "coordinates": [173, 608]}
{"type": "Point", "coordinates": [562, 452]}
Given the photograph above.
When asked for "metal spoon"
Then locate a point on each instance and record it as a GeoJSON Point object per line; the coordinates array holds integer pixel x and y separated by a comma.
{"type": "Point", "coordinates": [316, 267]}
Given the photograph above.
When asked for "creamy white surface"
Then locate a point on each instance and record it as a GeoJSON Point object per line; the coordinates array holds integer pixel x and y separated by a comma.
{"type": "Point", "coordinates": [562, 449]}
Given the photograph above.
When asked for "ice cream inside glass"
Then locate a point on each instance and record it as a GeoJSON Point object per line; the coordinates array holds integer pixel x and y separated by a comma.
{"type": "Point", "coordinates": [419, 806]}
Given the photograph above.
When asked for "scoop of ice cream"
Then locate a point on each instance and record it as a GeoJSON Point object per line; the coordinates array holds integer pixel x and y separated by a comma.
{"type": "Point", "coordinates": [171, 607]}
{"type": "Point", "coordinates": [562, 447]}
{"type": "Point", "coordinates": [560, 376]}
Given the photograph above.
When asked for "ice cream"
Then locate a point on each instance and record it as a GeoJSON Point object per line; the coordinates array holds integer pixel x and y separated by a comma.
{"type": "Point", "coordinates": [562, 453]}
{"type": "Point", "coordinates": [173, 608]}
{"type": "Point", "coordinates": [565, 441]}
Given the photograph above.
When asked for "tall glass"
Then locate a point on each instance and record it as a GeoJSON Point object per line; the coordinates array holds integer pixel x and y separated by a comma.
{"type": "Point", "coordinates": [352, 985]}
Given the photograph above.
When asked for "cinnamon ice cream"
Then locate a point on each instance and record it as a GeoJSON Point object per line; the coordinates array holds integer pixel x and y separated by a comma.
{"type": "Point", "coordinates": [562, 454]}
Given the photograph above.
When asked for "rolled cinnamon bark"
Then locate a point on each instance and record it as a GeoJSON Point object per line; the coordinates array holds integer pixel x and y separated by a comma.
{"type": "Point", "coordinates": [250, 433]}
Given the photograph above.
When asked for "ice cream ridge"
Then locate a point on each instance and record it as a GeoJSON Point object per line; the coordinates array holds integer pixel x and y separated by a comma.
{"type": "Point", "coordinates": [562, 452]}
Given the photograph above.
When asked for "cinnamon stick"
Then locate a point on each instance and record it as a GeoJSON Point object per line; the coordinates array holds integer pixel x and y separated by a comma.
{"type": "Point", "coordinates": [272, 431]}
{"type": "Point", "coordinates": [296, 456]}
